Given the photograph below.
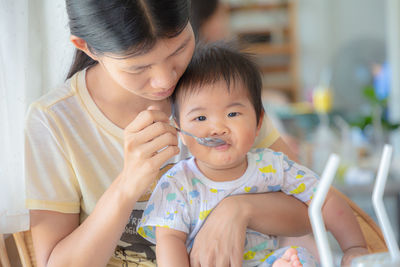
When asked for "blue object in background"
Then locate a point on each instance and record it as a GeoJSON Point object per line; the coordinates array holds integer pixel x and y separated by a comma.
{"type": "Point", "coordinates": [382, 82]}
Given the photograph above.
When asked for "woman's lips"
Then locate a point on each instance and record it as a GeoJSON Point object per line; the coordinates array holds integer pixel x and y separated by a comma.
{"type": "Point", "coordinates": [166, 93]}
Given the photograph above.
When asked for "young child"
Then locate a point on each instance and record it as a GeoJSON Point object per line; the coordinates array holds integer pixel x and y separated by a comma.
{"type": "Point", "coordinates": [220, 96]}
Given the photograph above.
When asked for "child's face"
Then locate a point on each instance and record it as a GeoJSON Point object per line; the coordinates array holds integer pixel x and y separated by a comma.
{"type": "Point", "coordinates": [215, 112]}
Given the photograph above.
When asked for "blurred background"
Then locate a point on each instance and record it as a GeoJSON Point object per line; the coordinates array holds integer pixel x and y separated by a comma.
{"type": "Point", "coordinates": [330, 72]}
{"type": "Point", "coordinates": [331, 81]}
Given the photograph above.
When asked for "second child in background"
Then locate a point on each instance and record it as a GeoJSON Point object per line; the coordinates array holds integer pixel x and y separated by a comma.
{"type": "Point", "coordinates": [219, 95]}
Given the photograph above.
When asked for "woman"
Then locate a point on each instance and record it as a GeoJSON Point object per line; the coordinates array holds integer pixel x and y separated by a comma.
{"type": "Point", "coordinates": [210, 20]}
{"type": "Point", "coordinates": [95, 146]}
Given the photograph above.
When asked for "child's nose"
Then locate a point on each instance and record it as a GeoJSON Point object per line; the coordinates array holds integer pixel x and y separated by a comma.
{"type": "Point", "coordinates": [219, 129]}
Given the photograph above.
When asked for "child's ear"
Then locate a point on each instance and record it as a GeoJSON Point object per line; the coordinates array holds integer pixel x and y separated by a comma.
{"type": "Point", "coordinates": [260, 121]}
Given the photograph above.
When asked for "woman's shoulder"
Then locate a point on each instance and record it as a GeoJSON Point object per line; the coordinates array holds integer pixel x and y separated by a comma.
{"type": "Point", "coordinates": [63, 99]}
{"type": "Point", "coordinates": [54, 96]}
{"type": "Point", "coordinates": [60, 108]}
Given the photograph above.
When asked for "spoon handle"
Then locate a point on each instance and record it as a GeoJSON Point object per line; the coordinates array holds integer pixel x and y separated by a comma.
{"type": "Point", "coordinates": [187, 133]}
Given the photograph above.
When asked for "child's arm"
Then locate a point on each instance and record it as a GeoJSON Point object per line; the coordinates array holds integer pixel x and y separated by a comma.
{"type": "Point", "coordinates": [170, 249]}
{"type": "Point", "coordinates": [341, 222]}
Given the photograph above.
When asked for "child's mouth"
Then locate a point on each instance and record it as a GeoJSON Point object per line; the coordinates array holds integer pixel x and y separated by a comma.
{"type": "Point", "coordinates": [222, 147]}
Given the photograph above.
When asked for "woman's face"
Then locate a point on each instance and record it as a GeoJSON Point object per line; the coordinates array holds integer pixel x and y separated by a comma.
{"type": "Point", "coordinates": [153, 75]}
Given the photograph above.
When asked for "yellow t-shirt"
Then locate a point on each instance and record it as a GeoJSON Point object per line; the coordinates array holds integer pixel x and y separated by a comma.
{"type": "Point", "coordinates": [72, 155]}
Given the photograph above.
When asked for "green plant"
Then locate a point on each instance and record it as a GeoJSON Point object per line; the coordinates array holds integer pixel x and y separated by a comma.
{"type": "Point", "coordinates": [370, 95]}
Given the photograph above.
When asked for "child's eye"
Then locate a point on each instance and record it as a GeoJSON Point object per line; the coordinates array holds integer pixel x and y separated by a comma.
{"type": "Point", "coordinates": [233, 114]}
{"type": "Point", "coordinates": [201, 118]}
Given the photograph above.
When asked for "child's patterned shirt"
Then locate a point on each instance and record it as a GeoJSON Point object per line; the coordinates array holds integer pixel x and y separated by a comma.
{"type": "Point", "coordinates": [184, 197]}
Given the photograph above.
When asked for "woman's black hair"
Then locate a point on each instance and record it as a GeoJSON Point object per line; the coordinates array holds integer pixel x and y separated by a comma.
{"type": "Point", "coordinates": [202, 10]}
{"type": "Point", "coordinates": [218, 61]}
{"type": "Point", "coordinates": [123, 27]}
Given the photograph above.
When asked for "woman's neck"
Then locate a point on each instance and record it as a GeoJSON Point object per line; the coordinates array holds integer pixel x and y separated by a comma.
{"type": "Point", "coordinates": [118, 104]}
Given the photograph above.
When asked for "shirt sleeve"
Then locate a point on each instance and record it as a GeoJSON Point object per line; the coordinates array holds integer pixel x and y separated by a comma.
{"type": "Point", "coordinates": [298, 180]}
{"type": "Point", "coordinates": [49, 177]}
{"type": "Point", "coordinates": [268, 134]}
{"type": "Point", "coordinates": [167, 207]}
{"type": "Point", "coordinates": [283, 174]}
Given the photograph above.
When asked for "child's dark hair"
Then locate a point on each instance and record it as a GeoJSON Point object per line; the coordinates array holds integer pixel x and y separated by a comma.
{"type": "Point", "coordinates": [219, 61]}
{"type": "Point", "coordinates": [123, 27]}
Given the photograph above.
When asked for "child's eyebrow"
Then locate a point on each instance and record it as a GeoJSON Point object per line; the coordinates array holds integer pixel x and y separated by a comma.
{"type": "Point", "coordinates": [194, 110]}
{"type": "Point", "coordinates": [234, 104]}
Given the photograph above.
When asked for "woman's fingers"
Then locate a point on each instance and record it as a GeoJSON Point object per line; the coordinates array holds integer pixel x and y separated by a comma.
{"type": "Point", "coordinates": [223, 262]}
{"type": "Point", "coordinates": [236, 259]}
{"type": "Point", "coordinates": [158, 144]}
{"type": "Point", "coordinates": [161, 157]}
{"type": "Point", "coordinates": [153, 131]}
{"type": "Point", "coordinates": [149, 141]}
{"type": "Point", "coordinates": [204, 260]}
{"type": "Point", "coordinates": [145, 119]}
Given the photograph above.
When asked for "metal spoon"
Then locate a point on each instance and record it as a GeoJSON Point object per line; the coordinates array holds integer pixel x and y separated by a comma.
{"type": "Point", "coordinates": [205, 141]}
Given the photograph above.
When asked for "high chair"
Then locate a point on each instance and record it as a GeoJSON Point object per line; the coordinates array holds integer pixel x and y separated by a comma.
{"type": "Point", "coordinates": [4, 260]}
{"type": "Point", "coordinates": [371, 232]}
{"type": "Point", "coordinates": [24, 243]}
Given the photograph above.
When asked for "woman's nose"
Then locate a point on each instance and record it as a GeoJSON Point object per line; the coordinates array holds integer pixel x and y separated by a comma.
{"type": "Point", "coordinates": [165, 77]}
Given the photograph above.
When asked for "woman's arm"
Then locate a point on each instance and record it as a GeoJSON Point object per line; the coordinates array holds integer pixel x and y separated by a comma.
{"type": "Point", "coordinates": [222, 236]}
{"type": "Point", "coordinates": [268, 211]}
{"type": "Point", "coordinates": [171, 249]}
{"type": "Point", "coordinates": [59, 240]}
{"type": "Point", "coordinates": [280, 145]}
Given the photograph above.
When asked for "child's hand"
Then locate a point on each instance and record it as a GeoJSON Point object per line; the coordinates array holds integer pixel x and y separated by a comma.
{"type": "Point", "coordinates": [351, 253]}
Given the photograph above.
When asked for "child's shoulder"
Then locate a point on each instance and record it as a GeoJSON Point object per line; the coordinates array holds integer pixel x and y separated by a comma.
{"type": "Point", "coordinates": [269, 156]}
{"type": "Point", "coordinates": [181, 172]}
{"type": "Point", "coordinates": [266, 152]}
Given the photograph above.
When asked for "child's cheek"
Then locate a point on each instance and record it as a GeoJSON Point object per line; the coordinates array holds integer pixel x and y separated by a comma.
{"type": "Point", "coordinates": [248, 139]}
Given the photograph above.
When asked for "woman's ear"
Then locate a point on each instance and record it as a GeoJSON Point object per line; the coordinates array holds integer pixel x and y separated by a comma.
{"type": "Point", "coordinates": [260, 121]}
{"type": "Point", "coordinates": [81, 44]}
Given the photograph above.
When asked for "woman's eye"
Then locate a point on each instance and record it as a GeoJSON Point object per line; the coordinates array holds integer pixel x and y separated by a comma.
{"type": "Point", "coordinates": [233, 114]}
{"type": "Point", "coordinates": [138, 71]}
{"type": "Point", "coordinates": [201, 118]}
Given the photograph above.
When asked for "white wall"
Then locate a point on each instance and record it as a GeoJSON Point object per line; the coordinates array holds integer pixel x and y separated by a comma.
{"type": "Point", "coordinates": [346, 36]}
{"type": "Point", "coordinates": [50, 49]}
{"type": "Point", "coordinates": [34, 56]}
{"type": "Point", "coordinates": [393, 46]}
